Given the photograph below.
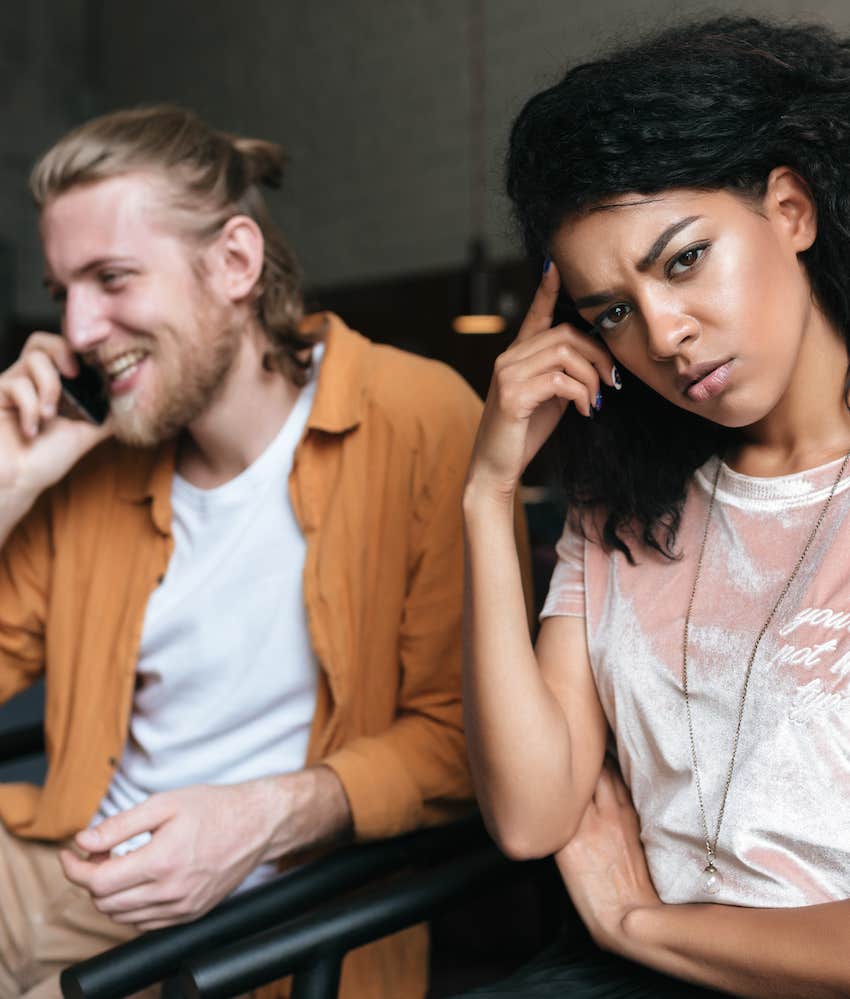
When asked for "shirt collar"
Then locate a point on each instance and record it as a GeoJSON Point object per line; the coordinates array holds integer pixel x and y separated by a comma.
{"type": "Point", "coordinates": [146, 474]}
{"type": "Point", "coordinates": [343, 376]}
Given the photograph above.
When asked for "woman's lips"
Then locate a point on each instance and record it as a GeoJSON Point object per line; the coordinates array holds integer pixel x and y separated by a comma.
{"type": "Point", "coordinates": [711, 384]}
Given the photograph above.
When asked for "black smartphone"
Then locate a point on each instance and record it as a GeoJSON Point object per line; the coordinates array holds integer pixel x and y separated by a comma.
{"type": "Point", "coordinates": [84, 397]}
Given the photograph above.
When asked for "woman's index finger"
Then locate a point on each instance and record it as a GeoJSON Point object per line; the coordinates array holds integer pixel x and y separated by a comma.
{"type": "Point", "coordinates": [542, 308]}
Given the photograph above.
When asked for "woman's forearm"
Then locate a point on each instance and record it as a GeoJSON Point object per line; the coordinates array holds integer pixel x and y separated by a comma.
{"type": "Point", "coordinates": [799, 953]}
{"type": "Point", "coordinates": [517, 731]}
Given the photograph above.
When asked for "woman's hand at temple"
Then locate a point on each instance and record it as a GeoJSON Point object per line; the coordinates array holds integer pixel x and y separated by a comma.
{"type": "Point", "coordinates": [535, 728]}
{"type": "Point", "coordinates": [544, 370]}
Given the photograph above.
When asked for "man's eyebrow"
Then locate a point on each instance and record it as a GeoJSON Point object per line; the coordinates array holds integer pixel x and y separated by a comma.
{"type": "Point", "coordinates": [657, 247]}
{"type": "Point", "coordinates": [655, 251]}
{"type": "Point", "coordinates": [92, 265]}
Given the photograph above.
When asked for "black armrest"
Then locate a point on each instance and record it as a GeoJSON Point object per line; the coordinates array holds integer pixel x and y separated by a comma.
{"type": "Point", "coordinates": [314, 945]}
{"type": "Point", "coordinates": [157, 955]}
{"type": "Point", "coordinates": [24, 741]}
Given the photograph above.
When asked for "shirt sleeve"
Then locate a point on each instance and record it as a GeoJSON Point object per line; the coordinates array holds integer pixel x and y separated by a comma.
{"type": "Point", "coordinates": [24, 584]}
{"type": "Point", "coordinates": [566, 596]}
{"type": "Point", "coordinates": [415, 772]}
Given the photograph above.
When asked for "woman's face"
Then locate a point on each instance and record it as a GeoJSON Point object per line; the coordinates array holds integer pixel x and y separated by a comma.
{"type": "Point", "coordinates": [700, 294]}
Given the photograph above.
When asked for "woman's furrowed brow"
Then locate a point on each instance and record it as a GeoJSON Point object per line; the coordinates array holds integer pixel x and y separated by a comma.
{"type": "Point", "coordinates": [657, 247]}
{"type": "Point", "coordinates": [654, 252]}
{"type": "Point", "coordinates": [589, 301]}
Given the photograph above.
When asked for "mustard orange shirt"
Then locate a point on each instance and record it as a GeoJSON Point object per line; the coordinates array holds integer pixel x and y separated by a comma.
{"type": "Point", "coordinates": [376, 487]}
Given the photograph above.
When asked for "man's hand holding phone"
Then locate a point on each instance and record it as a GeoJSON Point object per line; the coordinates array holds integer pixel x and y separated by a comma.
{"type": "Point", "coordinates": [38, 445]}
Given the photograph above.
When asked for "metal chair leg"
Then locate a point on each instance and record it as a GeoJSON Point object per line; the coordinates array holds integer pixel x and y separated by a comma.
{"type": "Point", "coordinates": [320, 980]}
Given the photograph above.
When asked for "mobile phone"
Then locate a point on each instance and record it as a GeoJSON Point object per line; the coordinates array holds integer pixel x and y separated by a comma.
{"type": "Point", "coordinates": [84, 397]}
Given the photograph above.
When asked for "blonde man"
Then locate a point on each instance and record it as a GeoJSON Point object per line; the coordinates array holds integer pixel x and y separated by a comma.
{"type": "Point", "coordinates": [243, 587]}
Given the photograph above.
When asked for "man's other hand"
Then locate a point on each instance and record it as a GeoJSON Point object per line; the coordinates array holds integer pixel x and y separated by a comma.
{"type": "Point", "coordinates": [205, 840]}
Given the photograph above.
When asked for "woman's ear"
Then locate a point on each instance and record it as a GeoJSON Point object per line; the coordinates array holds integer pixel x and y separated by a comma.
{"type": "Point", "coordinates": [239, 251]}
{"type": "Point", "coordinates": [788, 204]}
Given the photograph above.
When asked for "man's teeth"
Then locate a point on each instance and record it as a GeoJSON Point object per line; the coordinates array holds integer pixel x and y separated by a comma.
{"type": "Point", "coordinates": [116, 368]}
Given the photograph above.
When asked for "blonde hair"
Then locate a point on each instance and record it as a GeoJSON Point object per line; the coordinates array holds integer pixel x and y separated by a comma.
{"type": "Point", "coordinates": [211, 176]}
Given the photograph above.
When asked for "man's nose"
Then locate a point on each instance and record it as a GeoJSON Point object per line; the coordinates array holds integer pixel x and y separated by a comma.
{"type": "Point", "coordinates": [84, 322]}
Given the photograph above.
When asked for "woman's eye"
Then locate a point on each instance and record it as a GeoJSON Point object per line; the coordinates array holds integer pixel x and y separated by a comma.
{"type": "Point", "coordinates": [613, 317]}
{"type": "Point", "coordinates": [686, 260]}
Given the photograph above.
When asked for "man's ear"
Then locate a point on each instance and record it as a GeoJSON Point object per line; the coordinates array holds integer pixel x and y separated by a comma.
{"type": "Point", "coordinates": [236, 257]}
{"type": "Point", "coordinates": [789, 204]}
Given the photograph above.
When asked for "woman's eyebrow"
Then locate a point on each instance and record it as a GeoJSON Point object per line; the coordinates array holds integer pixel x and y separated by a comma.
{"type": "Point", "coordinates": [655, 251]}
{"type": "Point", "coordinates": [657, 247]}
{"type": "Point", "coordinates": [588, 301]}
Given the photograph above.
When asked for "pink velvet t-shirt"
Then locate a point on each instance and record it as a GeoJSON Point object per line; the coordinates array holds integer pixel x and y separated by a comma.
{"type": "Point", "coordinates": [785, 837]}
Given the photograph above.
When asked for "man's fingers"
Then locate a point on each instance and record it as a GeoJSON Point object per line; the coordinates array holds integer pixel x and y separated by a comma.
{"type": "Point", "coordinates": [130, 903]}
{"type": "Point", "coordinates": [56, 348]}
{"type": "Point", "coordinates": [542, 308]}
{"type": "Point", "coordinates": [155, 917]}
{"type": "Point", "coordinates": [115, 830]}
{"type": "Point", "coordinates": [45, 378]}
{"type": "Point", "coordinates": [32, 385]}
{"type": "Point", "coordinates": [102, 878]}
{"type": "Point", "coordinates": [19, 397]}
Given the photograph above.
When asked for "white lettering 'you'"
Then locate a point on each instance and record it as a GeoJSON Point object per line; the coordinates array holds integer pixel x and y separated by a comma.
{"type": "Point", "coordinates": [823, 617]}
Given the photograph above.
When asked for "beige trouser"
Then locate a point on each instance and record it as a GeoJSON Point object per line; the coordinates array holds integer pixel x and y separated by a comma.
{"type": "Point", "coordinates": [46, 923]}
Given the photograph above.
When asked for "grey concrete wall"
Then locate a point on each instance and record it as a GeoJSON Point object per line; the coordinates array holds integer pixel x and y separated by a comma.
{"type": "Point", "coordinates": [371, 97]}
{"type": "Point", "coordinates": [44, 90]}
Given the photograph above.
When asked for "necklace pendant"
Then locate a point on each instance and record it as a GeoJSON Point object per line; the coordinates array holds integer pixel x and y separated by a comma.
{"type": "Point", "coordinates": [711, 880]}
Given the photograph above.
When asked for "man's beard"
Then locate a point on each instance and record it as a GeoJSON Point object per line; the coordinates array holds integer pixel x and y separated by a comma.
{"type": "Point", "coordinates": [186, 387]}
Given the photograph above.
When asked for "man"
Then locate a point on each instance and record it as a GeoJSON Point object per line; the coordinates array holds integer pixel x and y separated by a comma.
{"type": "Point", "coordinates": [244, 587]}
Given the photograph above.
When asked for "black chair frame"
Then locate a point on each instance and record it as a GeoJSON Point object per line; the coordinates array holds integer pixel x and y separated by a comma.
{"type": "Point", "coordinates": [302, 923]}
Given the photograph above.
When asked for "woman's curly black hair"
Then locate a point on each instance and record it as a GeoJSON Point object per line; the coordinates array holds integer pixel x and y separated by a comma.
{"type": "Point", "coordinates": [712, 105]}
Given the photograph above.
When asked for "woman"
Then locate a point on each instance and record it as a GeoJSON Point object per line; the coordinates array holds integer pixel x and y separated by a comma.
{"type": "Point", "coordinates": [692, 197]}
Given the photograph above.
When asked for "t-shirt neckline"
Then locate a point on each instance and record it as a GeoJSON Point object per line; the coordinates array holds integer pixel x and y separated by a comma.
{"type": "Point", "coordinates": [812, 485]}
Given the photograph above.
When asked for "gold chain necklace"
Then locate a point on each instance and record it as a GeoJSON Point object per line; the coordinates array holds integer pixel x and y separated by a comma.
{"type": "Point", "coordinates": [711, 880]}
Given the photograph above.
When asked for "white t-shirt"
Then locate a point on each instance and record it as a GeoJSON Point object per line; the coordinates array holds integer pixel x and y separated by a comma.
{"type": "Point", "coordinates": [226, 677]}
{"type": "Point", "coordinates": [785, 837]}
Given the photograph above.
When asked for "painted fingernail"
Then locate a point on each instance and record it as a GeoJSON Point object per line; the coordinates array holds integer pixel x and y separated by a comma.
{"type": "Point", "coordinates": [615, 378]}
{"type": "Point", "coordinates": [598, 404]}
{"type": "Point", "coordinates": [547, 263]}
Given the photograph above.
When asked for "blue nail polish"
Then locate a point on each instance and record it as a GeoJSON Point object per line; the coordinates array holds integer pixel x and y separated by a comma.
{"type": "Point", "coordinates": [598, 404]}
{"type": "Point", "coordinates": [547, 263]}
{"type": "Point", "coordinates": [615, 378]}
